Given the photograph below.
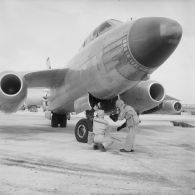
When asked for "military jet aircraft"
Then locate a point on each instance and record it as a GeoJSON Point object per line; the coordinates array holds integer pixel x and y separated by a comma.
{"type": "Point", "coordinates": [115, 60]}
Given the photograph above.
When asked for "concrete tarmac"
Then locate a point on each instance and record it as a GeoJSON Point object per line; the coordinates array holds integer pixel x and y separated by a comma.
{"type": "Point", "coordinates": [38, 159]}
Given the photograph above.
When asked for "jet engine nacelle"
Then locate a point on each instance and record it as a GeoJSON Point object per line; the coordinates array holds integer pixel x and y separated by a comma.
{"type": "Point", "coordinates": [13, 90]}
{"type": "Point", "coordinates": [171, 106]}
{"type": "Point", "coordinates": [144, 96]}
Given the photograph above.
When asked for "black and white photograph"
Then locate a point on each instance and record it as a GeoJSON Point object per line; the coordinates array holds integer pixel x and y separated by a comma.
{"type": "Point", "coordinates": [97, 97]}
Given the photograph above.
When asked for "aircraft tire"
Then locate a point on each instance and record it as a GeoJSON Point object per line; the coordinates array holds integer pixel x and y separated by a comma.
{"type": "Point", "coordinates": [81, 130]}
{"type": "Point", "coordinates": [54, 120]}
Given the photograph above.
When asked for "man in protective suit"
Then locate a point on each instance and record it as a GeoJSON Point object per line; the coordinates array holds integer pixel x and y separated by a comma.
{"type": "Point", "coordinates": [100, 125]}
{"type": "Point", "coordinates": [132, 121]}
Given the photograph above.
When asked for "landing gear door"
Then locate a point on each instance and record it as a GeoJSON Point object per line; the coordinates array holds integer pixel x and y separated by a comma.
{"type": "Point", "coordinates": [82, 104]}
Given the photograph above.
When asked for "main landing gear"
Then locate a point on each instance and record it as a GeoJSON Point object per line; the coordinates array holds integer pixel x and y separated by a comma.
{"type": "Point", "coordinates": [58, 119]}
{"type": "Point", "coordinates": [84, 126]}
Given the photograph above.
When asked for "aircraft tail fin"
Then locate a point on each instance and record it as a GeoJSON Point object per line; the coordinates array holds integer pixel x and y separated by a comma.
{"type": "Point", "coordinates": [48, 63]}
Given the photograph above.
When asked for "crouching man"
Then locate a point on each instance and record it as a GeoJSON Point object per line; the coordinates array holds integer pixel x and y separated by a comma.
{"type": "Point", "coordinates": [132, 121]}
{"type": "Point", "coordinates": [100, 125]}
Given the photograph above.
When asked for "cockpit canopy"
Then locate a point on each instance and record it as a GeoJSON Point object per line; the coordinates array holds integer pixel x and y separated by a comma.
{"type": "Point", "coordinates": [101, 29]}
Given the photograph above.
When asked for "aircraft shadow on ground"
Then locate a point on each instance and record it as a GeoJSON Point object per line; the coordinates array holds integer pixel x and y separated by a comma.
{"type": "Point", "coordinates": [181, 124]}
{"type": "Point", "coordinates": [35, 128]}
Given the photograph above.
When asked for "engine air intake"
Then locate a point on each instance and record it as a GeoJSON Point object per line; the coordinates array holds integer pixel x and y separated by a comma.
{"type": "Point", "coordinates": [10, 84]}
{"type": "Point", "coordinates": [156, 92]}
{"type": "Point", "coordinates": [177, 106]}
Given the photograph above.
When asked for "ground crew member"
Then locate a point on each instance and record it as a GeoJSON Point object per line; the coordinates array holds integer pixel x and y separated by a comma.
{"type": "Point", "coordinates": [100, 125]}
{"type": "Point", "coordinates": [132, 121]}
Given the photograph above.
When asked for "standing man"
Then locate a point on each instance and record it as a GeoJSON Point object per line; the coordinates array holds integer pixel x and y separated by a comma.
{"type": "Point", "coordinates": [132, 121]}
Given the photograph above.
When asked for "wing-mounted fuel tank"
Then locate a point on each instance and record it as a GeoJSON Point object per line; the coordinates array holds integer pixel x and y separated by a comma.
{"type": "Point", "coordinates": [144, 96]}
{"type": "Point", "coordinates": [13, 90]}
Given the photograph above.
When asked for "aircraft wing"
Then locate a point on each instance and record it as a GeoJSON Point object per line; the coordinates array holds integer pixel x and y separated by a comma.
{"type": "Point", "coordinates": [14, 86]}
{"type": "Point", "coordinates": [168, 97]}
{"type": "Point", "coordinates": [45, 78]}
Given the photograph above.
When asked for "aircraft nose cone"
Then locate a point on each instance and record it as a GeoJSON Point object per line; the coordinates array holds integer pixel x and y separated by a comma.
{"type": "Point", "coordinates": [152, 40]}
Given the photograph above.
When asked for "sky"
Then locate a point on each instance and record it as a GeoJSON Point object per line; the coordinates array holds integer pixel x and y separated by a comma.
{"type": "Point", "coordinates": [32, 30]}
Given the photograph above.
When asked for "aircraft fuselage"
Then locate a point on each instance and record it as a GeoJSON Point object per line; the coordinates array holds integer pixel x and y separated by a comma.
{"type": "Point", "coordinates": [108, 65]}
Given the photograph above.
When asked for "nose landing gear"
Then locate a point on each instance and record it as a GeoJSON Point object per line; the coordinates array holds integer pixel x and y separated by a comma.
{"type": "Point", "coordinates": [84, 126]}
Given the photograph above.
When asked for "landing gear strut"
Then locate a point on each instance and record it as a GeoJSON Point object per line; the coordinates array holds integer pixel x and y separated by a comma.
{"type": "Point", "coordinates": [84, 126]}
{"type": "Point", "coordinates": [58, 119]}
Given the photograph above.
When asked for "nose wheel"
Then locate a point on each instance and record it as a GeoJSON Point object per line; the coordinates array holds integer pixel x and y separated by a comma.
{"type": "Point", "coordinates": [81, 130]}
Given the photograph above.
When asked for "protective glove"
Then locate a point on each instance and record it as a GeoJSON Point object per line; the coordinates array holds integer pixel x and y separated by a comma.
{"type": "Point", "coordinates": [114, 117]}
{"type": "Point", "coordinates": [118, 128]}
{"type": "Point", "coordinates": [122, 126]}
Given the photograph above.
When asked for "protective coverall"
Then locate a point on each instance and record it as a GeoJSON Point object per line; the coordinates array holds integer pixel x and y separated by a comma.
{"type": "Point", "coordinates": [132, 120]}
{"type": "Point", "coordinates": [100, 125]}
